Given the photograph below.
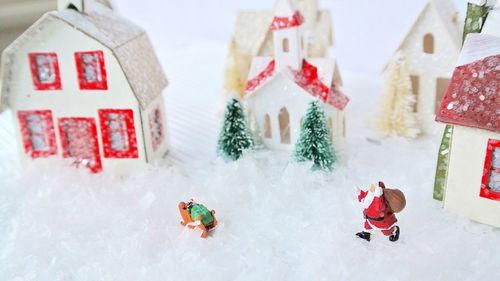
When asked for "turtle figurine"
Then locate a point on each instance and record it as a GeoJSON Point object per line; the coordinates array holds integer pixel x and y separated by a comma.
{"type": "Point", "coordinates": [196, 215]}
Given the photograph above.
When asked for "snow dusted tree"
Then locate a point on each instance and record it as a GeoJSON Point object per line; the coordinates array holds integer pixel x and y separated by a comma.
{"type": "Point", "coordinates": [397, 116]}
{"type": "Point", "coordinates": [235, 136]}
{"type": "Point", "coordinates": [314, 141]}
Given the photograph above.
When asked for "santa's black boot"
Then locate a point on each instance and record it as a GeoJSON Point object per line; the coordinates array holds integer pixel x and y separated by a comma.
{"type": "Point", "coordinates": [364, 235]}
{"type": "Point", "coordinates": [395, 236]}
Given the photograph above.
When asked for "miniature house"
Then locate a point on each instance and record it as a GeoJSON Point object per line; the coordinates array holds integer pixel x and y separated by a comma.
{"type": "Point", "coordinates": [431, 49]}
{"type": "Point", "coordinates": [85, 84]}
{"type": "Point", "coordinates": [280, 88]}
{"type": "Point", "coordinates": [472, 105]}
{"type": "Point", "coordinates": [252, 37]}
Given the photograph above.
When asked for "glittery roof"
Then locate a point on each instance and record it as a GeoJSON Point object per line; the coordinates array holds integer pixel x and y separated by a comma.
{"type": "Point", "coordinates": [128, 42]}
{"type": "Point", "coordinates": [473, 98]}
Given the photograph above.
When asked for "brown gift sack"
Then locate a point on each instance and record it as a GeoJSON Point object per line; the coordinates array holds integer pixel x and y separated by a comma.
{"type": "Point", "coordinates": [395, 199]}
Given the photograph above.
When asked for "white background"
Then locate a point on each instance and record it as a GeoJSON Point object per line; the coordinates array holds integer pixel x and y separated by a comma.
{"type": "Point", "coordinates": [366, 32]}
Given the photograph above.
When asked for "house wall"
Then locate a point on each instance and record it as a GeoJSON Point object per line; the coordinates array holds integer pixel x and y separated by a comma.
{"type": "Point", "coordinates": [282, 92]}
{"type": "Point", "coordinates": [429, 67]}
{"type": "Point", "coordinates": [468, 151]}
{"type": "Point", "coordinates": [161, 150]}
{"type": "Point", "coordinates": [64, 40]}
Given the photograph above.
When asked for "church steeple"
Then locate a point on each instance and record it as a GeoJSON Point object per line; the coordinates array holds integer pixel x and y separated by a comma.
{"type": "Point", "coordinates": [289, 45]}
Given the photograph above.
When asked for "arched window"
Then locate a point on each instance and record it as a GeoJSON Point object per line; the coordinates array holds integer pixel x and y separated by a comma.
{"type": "Point", "coordinates": [330, 128]}
{"type": "Point", "coordinates": [284, 121]}
{"type": "Point", "coordinates": [428, 43]}
{"type": "Point", "coordinates": [286, 45]}
{"type": "Point", "coordinates": [267, 127]}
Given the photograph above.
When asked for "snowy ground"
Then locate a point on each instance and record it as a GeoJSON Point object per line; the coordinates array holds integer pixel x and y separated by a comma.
{"type": "Point", "coordinates": [278, 221]}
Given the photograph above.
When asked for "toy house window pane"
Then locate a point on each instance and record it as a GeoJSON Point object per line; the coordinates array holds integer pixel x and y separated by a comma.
{"type": "Point", "coordinates": [286, 45]}
{"type": "Point", "coordinates": [37, 131]}
{"type": "Point", "coordinates": [284, 121]}
{"type": "Point", "coordinates": [91, 70]}
{"type": "Point", "coordinates": [330, 127]}
{"type": "Point", "coordinates": [267, 127]}
{"type": "Point", "coordinates": [156, 128]}
{"type": "Point", "coordinates": [118, 133]}
{"type": "Point", "coordinates": [494, 178]}
{"type": "Point", "coordinates": [490, 184]}
{"type": "Point", "coordinates": [428, 43]}
{"type": "Point", "coordinates": [344, 128]}
{"type": "Point", "coordinates": [415, 83]}
{"type": "Point", "coordinates": [441, 87]}
{"type": "Point", "coordinates": [45, 71]}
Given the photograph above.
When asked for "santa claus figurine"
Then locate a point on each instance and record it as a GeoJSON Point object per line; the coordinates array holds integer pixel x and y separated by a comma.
{"type": "Point", "coordinates": [380, 205]}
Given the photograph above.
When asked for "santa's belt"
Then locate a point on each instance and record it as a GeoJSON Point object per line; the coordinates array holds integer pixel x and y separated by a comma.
{"type": "Point", "coordinates": [373, 219]}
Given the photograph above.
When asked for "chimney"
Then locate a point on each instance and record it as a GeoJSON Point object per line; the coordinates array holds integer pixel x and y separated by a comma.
{"type": "Point", "coordinates": [70, 4]}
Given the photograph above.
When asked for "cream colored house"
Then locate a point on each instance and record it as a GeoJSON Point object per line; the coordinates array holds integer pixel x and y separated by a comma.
{"type": "Point", "coordinates": [431, 48]}
{"type": "Point", "coordinates": [85, 84]}
{"type": "Point", "coordinates": [472, 105]}
{"type": "Point", "coordinates": [280, 88]}
{"type": "Point", "coordinates": [253, 37]}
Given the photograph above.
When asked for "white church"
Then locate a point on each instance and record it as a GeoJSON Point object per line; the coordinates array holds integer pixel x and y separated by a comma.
{"type": "Point", "coordinates": [280, 88]}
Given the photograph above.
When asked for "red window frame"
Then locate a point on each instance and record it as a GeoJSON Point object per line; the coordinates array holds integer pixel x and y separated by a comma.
{"type": "Point", "coordinates": [485, 191]}
{"type": "Point", "coordinates": [50, 137]}
{"type": "Point", "coordinates": [93, 131]}
{"type": "Point", "coordinates": [92, 85]}
{"type": "Point", "coordinates": [109, 152]}
{"type": "Point", "coordinates": [156, 119]}
{"type": "Point", "coordinates": [44, 86]}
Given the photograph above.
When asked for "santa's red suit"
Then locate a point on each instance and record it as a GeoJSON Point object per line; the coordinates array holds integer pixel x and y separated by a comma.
{"type": "Point", "coordinates": [376, 213]}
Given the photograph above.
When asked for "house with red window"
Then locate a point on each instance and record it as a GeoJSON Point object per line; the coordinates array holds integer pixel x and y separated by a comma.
{"type": "Point", "coordinates": [472, 105]}
{"type": "Point", "coordinates": [280, 88]}
{"type": "Point", "coordinates": [85, 84]}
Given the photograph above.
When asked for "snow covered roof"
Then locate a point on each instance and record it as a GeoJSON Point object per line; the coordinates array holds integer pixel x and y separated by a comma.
{"type": "Point", "coordinates": [284, 8]}
{"type": "Point", "coordinates": [446, 13]}
{"type": "Point", "coordinates": [317, 77]}
{"type": "Point", "coordinates": [473, 99]}
{"type": "Point", "coordinates": [286, 15]}
{"type": "Point", "coordinates": [128, 42]}
{"type": "Point", "coordinates": [492, 24]}
{"type": "Point", "coordinates": [253, 27]}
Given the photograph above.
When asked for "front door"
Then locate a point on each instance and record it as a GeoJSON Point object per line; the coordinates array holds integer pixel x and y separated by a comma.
{"type": "Point", "coordinates": [79, 142]}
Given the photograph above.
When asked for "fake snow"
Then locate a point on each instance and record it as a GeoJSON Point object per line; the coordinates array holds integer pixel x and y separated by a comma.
{"type": "Point", "coordinates": [277, 220]}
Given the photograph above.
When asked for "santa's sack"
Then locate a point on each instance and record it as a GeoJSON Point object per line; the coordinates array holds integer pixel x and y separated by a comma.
{"type": "Point", "coordinates": [395, 199]}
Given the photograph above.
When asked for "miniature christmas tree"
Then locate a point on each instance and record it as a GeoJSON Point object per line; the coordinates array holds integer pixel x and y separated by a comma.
{"type": "Point", "coordinates": [234, 137]}
{"type": "Point", "coordinates": [314, 142]}
{"type": "Point", "coordinates": [397, 116]}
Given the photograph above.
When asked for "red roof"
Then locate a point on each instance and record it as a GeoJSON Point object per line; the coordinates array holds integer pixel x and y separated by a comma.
{"type": "Point", "coordinates": [287, 22]}
{"type": "Point", "coordinates": [472, 99]}
{"type": "Point", "coordinates": [307, 78]}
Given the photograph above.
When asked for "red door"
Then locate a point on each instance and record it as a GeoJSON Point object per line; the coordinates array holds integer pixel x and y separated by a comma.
{"type": "Point", "coordinates": [79, 141]}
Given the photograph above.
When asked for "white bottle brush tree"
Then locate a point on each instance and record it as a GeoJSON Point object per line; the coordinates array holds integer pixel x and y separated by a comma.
{"type": "Point", "coordinates": [235, 136]}
{"type": "Point", "coordinates": [397, 116]}
{"type": "Point", "coordinates": [314, 142]}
